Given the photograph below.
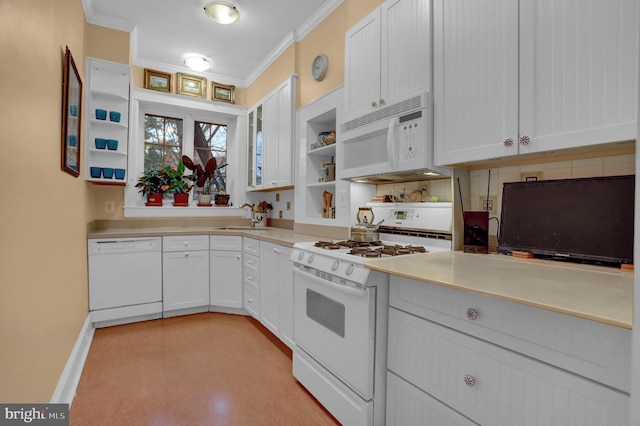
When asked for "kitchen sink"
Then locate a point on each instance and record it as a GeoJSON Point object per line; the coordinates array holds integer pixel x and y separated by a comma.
{"type": "Point", "coordinates": [243, 228]}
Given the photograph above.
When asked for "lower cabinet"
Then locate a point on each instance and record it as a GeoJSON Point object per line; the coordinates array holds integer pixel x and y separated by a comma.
{"type": "Point", "coordinates": [185, 274]}
{"type": "Point", "coordinates": [276, 290]}
{"type": "Point", "coordinates": [225, 270]}
{"type": "Point", "coordinates": [437, 370]}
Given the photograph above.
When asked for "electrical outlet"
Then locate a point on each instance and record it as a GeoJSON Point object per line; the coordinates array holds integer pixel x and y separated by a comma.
{"type": "Point", "coordinates": [489, 204]}
{"type": "Point", "coordinates": [530, 176]}
{"type": "Point", "coordinates": [280, 214]}
{"type": "Point", "coordinates": [109, 206]}
{"type": "Point", "coordinates": [288, 205]}
{"type": "Point", "coordinates": [277, 197]}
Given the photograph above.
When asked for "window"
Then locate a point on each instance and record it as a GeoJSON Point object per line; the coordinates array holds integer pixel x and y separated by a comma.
{"type": "Point", "coordinates": [210, 141]}
{"type": "Point", "coordinates": [162, 141]}
{"type": "Point", "coordinates": [163, 128]}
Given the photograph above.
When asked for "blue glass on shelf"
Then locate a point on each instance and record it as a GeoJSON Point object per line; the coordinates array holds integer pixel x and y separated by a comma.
{"type": "Point", "coordinates": [101, 143]}
{"type": "Point", "coordinates": [112, 144]}
{"type": "Point", "coordinates": [119, 173]}
{"type": "Point", "coordinates": [96, 172]}
{"type": "Point", "coordinates": [73, 110]}
{"type": "Point", "coordinates": [107, 172]}
{"type": "Point", "coordinates": [114, 116]}
{"type": "Point", "coordinates": [73, 140]}
{"type": "Point", "coordinates": [101, 114]}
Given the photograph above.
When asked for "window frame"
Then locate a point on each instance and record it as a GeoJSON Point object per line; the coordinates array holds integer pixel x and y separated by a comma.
{"type": "Point", "coordinates": [189, 110]}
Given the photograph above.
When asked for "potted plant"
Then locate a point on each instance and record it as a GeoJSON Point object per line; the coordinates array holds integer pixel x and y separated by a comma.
{"type": "Point", "coordinates": [260, 211]}
{"type": "Point", "coordinates": [178, 183]}
{"type": "Point", "coordinates": [153, 183]}
{"type": "Point", "coordinates": [204, 178]}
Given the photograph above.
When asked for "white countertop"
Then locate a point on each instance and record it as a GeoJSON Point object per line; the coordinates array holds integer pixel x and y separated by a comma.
{"type": "Point", "coordinates": [596, 293]}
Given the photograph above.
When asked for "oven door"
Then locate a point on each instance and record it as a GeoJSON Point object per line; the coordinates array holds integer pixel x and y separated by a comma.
{"type": "Point", "coordinates": [335, 325]}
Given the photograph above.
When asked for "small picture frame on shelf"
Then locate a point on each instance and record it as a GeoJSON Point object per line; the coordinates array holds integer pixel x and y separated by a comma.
{"type": "Point", "coordinates": [223, 92]}
{"type": "Point", "coordinates": [157, 80]}
{"type": "Point", "coordinates": [191, 85]}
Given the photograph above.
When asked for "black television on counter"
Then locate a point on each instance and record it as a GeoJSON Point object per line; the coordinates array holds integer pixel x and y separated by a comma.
{"type": "Point", "coordinates": [586, 220]}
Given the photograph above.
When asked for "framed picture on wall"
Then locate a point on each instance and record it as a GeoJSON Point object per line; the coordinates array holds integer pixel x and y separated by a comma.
{"type": "Point", "coordinates": [71, 116]}
{"type": "Point", "coordinates": [191, 85]}
{"type": "Point", "coordinates": [223, 92]}
{"type": "Point", "coordinates": [157, 80]}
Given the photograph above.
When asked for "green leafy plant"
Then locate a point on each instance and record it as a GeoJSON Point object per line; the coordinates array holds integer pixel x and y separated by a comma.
{"type": "Point", "coordinates": [167, 179]}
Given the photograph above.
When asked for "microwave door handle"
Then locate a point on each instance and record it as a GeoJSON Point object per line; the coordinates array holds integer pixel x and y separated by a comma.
{"type": "Point", "coordinates": [391, 144]}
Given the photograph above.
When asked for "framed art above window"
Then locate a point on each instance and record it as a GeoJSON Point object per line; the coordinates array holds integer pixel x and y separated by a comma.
{"type": "Point", "coordinates": [223, 92]}
{"type": "Point", "coordinates": [191, 85]}
{"type": "Point", "coordinates": [71, 116]}
{"type": "Point", "coordinates": [157, 80]}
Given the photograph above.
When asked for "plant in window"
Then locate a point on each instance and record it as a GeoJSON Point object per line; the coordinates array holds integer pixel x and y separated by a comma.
{"type": "Point", "coordinates": [153, 183]}
{"type": "Point", "coordinates": [175, 177]}
{"type": "Point", "coordinates": [204, 177]}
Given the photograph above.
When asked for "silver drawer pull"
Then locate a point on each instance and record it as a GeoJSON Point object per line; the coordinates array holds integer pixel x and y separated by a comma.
{"type": "Point", "coordinates": [469, 380]}
{"type": "Point", "coordinates": [472, 314]}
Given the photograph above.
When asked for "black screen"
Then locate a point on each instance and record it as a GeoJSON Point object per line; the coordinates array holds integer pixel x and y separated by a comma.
{"type": "Point", "coordinates": [587, 219]}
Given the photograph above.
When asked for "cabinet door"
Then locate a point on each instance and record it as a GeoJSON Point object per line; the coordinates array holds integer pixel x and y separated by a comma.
{"type": "Point", "coordinates": [185, 280]}
{"type": "Point", "coordinates": [226, 279]}
{"type": "Point", "coordinates": [255, 147]}
{"type": "Point", "coordinates": [284, 128]}
{"type": "Point", "coordinates": [578, 72]}
{"type": "Point", "coordinates": [286, 295]}
{"type": "Point", "coordinates": [475, 79]}
{"type": "Point", "coordinates": [409, 406]}
{"type": "Point", "coordinates": [362, 67]}
{"type": "Point", "coordinates": [270, 139]}
{"type": "Point", "coordinates": [269, 287]}
{"type": "Point", "coordinates": [405, 68]}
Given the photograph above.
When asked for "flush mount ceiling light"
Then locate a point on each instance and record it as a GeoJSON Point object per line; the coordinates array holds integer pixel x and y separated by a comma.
{"type": "Point", "coordinates": [222, 12]}
{"type": "Point", "coordinates": [197, 63]}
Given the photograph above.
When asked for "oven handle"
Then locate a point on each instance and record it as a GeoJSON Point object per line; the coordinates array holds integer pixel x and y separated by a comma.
{"type": "Point", "coordinates": [320, 281]}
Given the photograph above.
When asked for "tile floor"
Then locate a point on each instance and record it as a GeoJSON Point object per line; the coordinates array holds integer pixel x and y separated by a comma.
{"type": "Point", "coordinates": [203, 369]}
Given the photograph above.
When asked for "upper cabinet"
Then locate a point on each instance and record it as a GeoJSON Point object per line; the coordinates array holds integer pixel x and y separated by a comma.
{"type": "Point", "coordinates": [516, 77]}
{"type": "Point", "coordinates": [270, 150]}
{"type": "Point", "coordinates": [387, 56]}
{"type": "Point", "coordinates": [106, 130]}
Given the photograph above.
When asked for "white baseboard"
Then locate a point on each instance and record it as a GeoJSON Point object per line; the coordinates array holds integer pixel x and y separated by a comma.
{"type": "Point", "coordinates": [66, 389]}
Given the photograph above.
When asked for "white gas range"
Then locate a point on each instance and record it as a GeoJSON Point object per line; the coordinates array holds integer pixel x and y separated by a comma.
{"type": "Point", "coordinates": [340, 309]}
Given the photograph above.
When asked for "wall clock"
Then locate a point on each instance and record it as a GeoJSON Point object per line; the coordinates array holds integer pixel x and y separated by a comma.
{"type": "Point", "coordinates": [319, 67]}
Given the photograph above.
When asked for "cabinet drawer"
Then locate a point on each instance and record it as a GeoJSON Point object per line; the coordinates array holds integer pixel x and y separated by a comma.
{"type": "Point", "coordinates": [251, 245]}
{"type": "Point", "coordinates": [252, 262]}
{"type": "Point", "coordinates": [251, 301]}
{"type": "Point", "coordinates": [409, 406]}
{"type": "Point", "coordinates": [185, 243]}
{"type": "Point", "coordinates": [594, 350]}
{"type": "Point", "coordinates": [509, 389]}
{"type": "Point", "coordinates": [226, 242]}
{"type": "Point", "coordinates": [251, 277]}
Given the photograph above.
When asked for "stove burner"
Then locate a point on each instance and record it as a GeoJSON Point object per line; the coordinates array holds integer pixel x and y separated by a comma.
{"type": "Point", "coordinates": [353, 243]}
{"type": "Point", "coordinates": [327, 245]}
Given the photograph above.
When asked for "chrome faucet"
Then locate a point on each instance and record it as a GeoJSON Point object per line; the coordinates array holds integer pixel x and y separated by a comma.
{"type": "Point", "coordinates": [253, 216]}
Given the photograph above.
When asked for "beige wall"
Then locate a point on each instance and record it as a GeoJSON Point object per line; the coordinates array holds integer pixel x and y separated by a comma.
{"type": "Point", "coordinates": [43, 215]}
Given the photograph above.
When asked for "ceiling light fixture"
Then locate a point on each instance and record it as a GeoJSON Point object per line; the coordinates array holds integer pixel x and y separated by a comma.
{"type": "Point", "coordinates": [197, 63]}
{"type": "Point", "coordinates": [222, 12]}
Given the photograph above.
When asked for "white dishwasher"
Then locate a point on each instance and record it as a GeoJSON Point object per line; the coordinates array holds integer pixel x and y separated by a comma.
{"type": "Point", "coordinates": [125, 279]}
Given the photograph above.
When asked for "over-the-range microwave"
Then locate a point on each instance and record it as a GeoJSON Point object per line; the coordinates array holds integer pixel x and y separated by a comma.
{"type": "Point", "coordinates": [392, 144]}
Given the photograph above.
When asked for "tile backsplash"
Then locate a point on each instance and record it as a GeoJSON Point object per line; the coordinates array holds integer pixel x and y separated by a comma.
{"type": "Point", "coordinates": [589, 167]}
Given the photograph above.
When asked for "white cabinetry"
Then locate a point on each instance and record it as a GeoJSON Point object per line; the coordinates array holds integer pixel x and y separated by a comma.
{"type": "Point", "coordinates": [251, 276]}
{"type": "Point", "coordinates": [516, 77]}
{"type": "Point", "coordinates": [387, 56]}
{"type": "Point", "coordinates": [270, 150]}
{"type": "Point", "coordinates": [185, 274]}
{"type": "Point", "coordinates": [225, 268]}
{"type": "Point", "coordinates": [106, 138]}
{"type": "Point", "coordinates": [505, 363]}
{"type": "Point", "coordinates": [276, 290]}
